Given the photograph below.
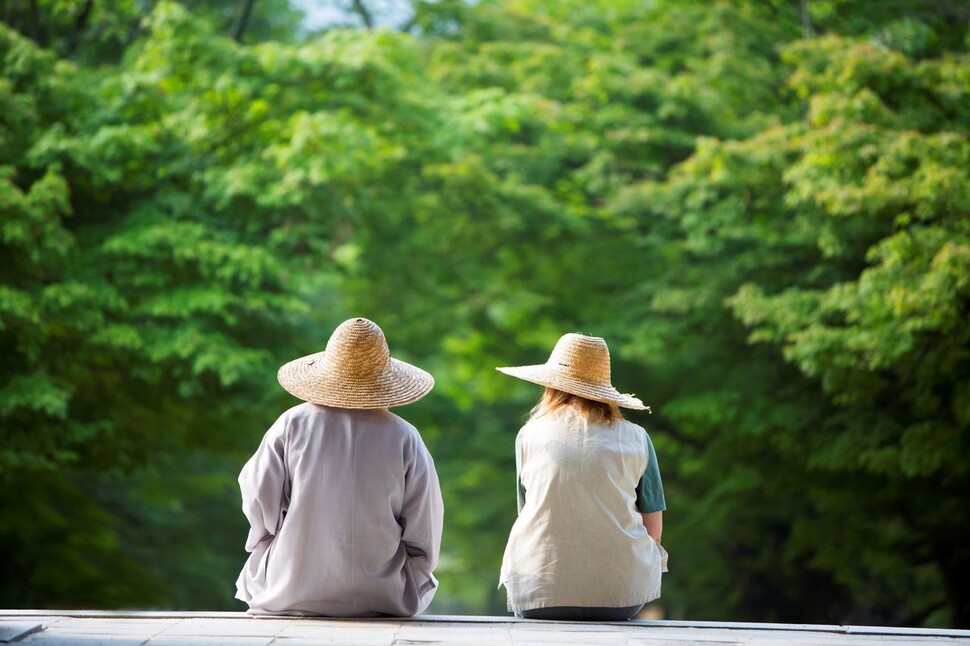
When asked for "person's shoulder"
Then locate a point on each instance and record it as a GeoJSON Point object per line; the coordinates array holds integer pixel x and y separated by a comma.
{"type": "Point", "coordinates": [537, 428]}
{"type": "Point", "coordinates": [393, 422]}
{"type": "Point", "coordinates": [632, 428]}
{"type": "Point", "coordinates": [389, 418]}
{"type": "Point", "coordinates": [408, 434]}
{"type": "Point", "coordinates": [303, 410]}
{"type": "Point", "coordinates": [535, 424]}
{"type": "Point", "coordinates": [307, 415]}
{"type": "Point", "coordinates": [285, 421]}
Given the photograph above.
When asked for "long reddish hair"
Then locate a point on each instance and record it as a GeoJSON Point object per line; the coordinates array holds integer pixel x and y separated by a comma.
{"type": "Point", "coordinates": [553, 400]}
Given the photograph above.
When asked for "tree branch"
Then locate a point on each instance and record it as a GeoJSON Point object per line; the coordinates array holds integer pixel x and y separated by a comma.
{"type": "Point", "coordinates": [807, 31]}
{"type": "Point", "coordinates": [244, 12]}
{"type": "Point", "coordinates": [34, 21]}
{"type": "Point", "coordinates": [79, 24]}
{"type": "Point", "coordinates": [408, 27]}
{"type": "Point", "coordinates": [362, 11]}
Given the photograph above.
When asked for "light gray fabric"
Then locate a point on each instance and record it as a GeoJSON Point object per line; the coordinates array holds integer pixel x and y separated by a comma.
{"type": "Point", "coordinates": [649, 491]}
{"type": "Point", "coordinates": [345, 516]}
{"type": "Point", "coordinates": [579, 539]}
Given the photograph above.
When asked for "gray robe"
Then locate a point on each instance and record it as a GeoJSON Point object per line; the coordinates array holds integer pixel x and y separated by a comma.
{"type": "Point", "coordinates": [345, 516]}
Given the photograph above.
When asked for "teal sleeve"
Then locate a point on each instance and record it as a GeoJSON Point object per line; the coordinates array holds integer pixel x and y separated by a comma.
{"type": "Point", "coordinates": [650, 489]}
{"type": "Point", "coordinates": [519, 489]}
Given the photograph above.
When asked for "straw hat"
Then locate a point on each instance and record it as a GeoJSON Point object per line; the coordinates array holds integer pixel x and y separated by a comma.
{"type": "Point", "coordinates": [355, 371]}
{"type": "Point", "coordinates": [579, 365]}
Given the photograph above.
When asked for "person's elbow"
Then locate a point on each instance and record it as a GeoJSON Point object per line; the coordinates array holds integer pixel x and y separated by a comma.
{"type": "Point", "coordinates": [653, 521]}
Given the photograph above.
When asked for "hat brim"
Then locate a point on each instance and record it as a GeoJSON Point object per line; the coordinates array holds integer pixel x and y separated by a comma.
{"type": "Point", "coordinates": [311, 379]}
{"type": "Point", "coordinates": [546, 375]}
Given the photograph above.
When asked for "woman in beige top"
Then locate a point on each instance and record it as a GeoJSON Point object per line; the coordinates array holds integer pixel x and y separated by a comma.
{"type": "Point", "coordinates": [342, 497]}
{"type": "Point", "coordinates": [586, 544]}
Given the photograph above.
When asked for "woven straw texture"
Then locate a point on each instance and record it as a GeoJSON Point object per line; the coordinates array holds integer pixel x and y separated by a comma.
{"type": "Point", "coordinates": [355, 371]}
{"type": "Point", "coordinates": [580, 365]}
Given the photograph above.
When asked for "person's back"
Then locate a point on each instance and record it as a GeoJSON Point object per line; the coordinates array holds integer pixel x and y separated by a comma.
{"type": "Point", "coordinates": [349, 477]}
{"type": "Point", "coordinates": [580, 479]}
{"type": "Point", "coordinates": [585, 545]}
{"type": "Point", "coordinates": [342, 497]}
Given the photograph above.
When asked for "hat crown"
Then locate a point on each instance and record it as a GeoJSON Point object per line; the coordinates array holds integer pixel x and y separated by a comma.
{"type": "Point", "coordinates": [357, 348]}
{"type": "Point", "coordinates": [586, 358]}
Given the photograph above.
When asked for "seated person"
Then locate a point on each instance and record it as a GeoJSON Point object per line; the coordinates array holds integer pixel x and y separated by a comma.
{"type": "Point", "coordinates": [342, 496]}
{"type": "Point", "coordinates": [586, 544]}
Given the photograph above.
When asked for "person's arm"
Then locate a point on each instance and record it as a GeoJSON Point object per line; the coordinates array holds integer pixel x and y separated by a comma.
{"type": "Point", "coordinates": [264, 484]}
{"type": "Point", "coordinates": [650, 495]}
{"type": "Point", "coordinates": [422, 512]}
{"type": "Point", "coordinates": [421, 520]}
{"type": "Point", "coordinates": [654, 522]}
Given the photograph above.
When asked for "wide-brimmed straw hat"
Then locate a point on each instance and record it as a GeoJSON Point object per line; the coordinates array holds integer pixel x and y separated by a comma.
{"type": "Point", "coordinates": [579, 365]}
{"type": "Point", "coordinates": [355, 371]}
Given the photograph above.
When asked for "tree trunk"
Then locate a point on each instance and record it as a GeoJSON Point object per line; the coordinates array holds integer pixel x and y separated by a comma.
{"type": "Point", "coordinates": [807, 31]}
{"type": "Point", "coordinates": [244, 12]}
{"type": "Point", "coordinates": [361, 9]}
{"type": "Point", "coordinates": [79, 25]}
{"type": "Point", "coordinates": [36, 33]}
{"type": "Point", "coordinates": [955, 568]}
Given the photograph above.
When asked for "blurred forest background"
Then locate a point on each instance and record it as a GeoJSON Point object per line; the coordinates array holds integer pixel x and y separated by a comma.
{"type": "Point", "coordinates": [763, 205]}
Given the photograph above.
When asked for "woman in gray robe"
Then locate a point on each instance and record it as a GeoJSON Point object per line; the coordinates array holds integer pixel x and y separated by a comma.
{"type": "Point", "coordinates": [342, 496]}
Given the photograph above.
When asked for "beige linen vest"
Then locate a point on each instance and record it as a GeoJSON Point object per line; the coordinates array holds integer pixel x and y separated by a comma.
{"type": "Point", "coordinates": [579, 540]}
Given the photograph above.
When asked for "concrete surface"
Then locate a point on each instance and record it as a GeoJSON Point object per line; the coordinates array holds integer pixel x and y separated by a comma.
{"type": "Point", "coordinates": [91, 628]}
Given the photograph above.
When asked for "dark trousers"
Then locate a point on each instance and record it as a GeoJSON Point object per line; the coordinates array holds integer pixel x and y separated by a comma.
{"type": "Point", "coordinates": [578, 613]}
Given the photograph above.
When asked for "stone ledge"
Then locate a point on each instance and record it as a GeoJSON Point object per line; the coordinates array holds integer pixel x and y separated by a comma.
{"type": "Point", "coordinates": [120, 628]}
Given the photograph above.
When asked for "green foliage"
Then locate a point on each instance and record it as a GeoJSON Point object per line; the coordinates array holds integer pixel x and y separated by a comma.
{"type": "Point", "coordinates": [128, 307]}
{"type": "Point", "coordinates": [762, 206]}
{"type": "Point", "coordinates": [99, 31]}
{"type": "Point", "coordinates": [840, 242]}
